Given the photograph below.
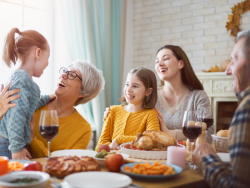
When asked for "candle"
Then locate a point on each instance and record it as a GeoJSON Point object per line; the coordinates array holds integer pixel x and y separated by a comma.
{"type": "Point", "coordinates": [177, 155]}
{"type": "Point", "coordinates": [3, 165]}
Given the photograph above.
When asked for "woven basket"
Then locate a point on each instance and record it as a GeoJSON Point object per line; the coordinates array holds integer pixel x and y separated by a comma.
{"type": "Point", "coordinates": [220, 143]}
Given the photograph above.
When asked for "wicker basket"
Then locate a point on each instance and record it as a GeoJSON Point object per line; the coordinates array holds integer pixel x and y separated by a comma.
{"type": "Point", "coordinates": [220, 143]}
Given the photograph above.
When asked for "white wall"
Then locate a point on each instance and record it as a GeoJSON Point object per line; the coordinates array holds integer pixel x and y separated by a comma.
{"type": "Point", "coordinates": [197, 26]}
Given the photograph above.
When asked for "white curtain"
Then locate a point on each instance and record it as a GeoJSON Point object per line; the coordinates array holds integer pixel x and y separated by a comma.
{"type": "Point", "coordinates": [91, 30]}
{"type": "Point", "coordinates": [73, 40]}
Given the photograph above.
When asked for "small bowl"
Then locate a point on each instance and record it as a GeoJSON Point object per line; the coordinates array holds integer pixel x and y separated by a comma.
{"type": "Point", "coordinates": [41, 176]}
{"type": "Point", "coordinates": [101, 161]}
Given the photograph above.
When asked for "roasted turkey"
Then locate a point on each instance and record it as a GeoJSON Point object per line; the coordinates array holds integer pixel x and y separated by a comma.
{"type": "Point", "coordinates": [152, 139]}
{"type": "Point", "coordinates": [63, 166]}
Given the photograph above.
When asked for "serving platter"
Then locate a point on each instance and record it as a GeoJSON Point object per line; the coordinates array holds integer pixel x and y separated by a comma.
{"type": "Point", "coordinates": [177, 169]}
{"type": "Point", "coordinates": [73, 152]}
{"type": "Point", "coordinates": [98, 179]}
{"type": "Point", "coordinates": [139, 154]}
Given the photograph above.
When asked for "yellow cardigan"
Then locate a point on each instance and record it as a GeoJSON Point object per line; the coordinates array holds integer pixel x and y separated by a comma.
{"type": "Point", "coordinates": [124, 126]}
{"type": "Point", "coordinates": [74, 133]}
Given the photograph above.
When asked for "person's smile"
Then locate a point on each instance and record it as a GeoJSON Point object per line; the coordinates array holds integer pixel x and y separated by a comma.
{"type": "Point", "coordinates": [129, 96]}
{"type": "Point", "coordinates": [61, 85]}
{"type": "Point", "coordinates": [162, 70]}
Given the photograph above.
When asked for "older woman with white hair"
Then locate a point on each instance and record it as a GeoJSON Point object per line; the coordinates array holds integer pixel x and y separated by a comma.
{"type": "Point", "coordinates": [72, 89]}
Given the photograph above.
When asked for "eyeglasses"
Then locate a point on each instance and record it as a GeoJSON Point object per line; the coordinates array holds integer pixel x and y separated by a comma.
{"type": "Point", "coordinates": [70, 74]}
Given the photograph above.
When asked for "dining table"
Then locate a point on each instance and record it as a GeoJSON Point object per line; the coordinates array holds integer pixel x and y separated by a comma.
{"type": "Point", "coordinates": [187, 178]}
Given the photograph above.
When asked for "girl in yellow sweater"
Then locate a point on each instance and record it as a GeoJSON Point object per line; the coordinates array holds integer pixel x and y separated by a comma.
{"type": "Point", "coordinates": [124, 122]}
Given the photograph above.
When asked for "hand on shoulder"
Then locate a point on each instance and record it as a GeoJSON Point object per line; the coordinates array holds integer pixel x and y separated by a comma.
{"type": "Point", "coordinates": [106, 113]}
{"type": "Point", "coordinates": [6, 98]}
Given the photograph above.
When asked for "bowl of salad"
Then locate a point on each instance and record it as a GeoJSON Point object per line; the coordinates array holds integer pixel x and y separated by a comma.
{"type": "Point", "coordinates": [24, 179]}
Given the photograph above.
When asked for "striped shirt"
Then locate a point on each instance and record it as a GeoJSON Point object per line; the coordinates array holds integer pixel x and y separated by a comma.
{"type": "Point", "coordinates": [217, 173]}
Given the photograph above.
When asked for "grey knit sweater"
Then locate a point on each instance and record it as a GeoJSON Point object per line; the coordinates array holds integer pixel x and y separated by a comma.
{"type": "Point", "coordinates": [15, 124]}
{"type": "Point", "coordinates": [173, 116]}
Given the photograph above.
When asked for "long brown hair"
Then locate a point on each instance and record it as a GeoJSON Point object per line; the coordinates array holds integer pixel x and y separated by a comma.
{"type": "Point", "coordinates": [148, 79]}
{"type": "Point", "coordinates": [19, 48]}
{"type": "Point", "coordinates": [187, 73]}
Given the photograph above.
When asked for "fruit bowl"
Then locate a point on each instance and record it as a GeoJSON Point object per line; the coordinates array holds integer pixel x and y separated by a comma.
{"type": "Point", "coordinates": [101, 161]}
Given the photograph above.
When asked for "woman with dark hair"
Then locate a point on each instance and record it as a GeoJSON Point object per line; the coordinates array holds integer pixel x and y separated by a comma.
{"type": "Point", "coordinates": [180, 90]}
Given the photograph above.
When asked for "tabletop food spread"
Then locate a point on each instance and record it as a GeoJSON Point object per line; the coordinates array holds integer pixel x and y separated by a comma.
{"type": "Point", "coordinates": [134, 165]}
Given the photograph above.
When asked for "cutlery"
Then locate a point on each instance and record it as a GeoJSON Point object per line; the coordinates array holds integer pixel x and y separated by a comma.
{"type": "Point", "coordinates": [57, 184]}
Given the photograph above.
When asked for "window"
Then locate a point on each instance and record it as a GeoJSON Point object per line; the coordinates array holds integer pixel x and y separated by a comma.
{"type": "Point", "coordinates": [25, 15]}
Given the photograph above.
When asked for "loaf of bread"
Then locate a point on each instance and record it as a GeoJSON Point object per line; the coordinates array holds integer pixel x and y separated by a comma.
{"type": "Point", "coordinates": [63, 166]}
{"type": "Point", "coordinates": [222, 133]}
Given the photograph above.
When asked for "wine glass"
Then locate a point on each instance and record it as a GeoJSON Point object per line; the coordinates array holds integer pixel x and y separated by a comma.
{"type": "Point", "coordinates": [207, 115]}
{"type": "Point", "coordinates": [191, 128]}
{"type": "Point", "coordinates": [48, 126]}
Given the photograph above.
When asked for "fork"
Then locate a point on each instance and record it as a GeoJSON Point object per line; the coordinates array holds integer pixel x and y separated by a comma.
{"type": "Point", "coordinates": [55, 182]}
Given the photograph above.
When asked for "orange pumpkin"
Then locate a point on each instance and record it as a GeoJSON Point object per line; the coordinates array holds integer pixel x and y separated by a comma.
{"type": "Point", "coordinates": [224, 64]}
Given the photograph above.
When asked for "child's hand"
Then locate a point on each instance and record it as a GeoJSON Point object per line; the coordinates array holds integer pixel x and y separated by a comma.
{"type": "Point", "coordinates": [5, 98]}
{"type": "Point", "coordinates": [24, 155]}
{"type": "Point", "coordinates": [113, 145]}
{"type": "Point", "coordinates": [32, 125]}
{"type": "Point", "coordinates": [52, 97]}
{"type": "Point", "coordinates": [106, 113]}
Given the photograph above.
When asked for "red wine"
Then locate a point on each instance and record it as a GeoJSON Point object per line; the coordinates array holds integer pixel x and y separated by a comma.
{"type": "Point", "coordinates": [208, 121]}
{"type": "Point", "coordinates": [48, 132]}
{"type": "Point", "coordinates": [191, 132]}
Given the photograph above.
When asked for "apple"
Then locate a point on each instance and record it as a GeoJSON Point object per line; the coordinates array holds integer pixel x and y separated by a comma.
{"type": "Point", "coordinates": [101, 147]}
{"type": "Point", "coordinates": [33, 166]}
{"type": "Point", "coordinates": [114, 162]}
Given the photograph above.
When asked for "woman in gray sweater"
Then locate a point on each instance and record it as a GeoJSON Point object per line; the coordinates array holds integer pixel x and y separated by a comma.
{"type": "Point", "coordinates": [180, 90]}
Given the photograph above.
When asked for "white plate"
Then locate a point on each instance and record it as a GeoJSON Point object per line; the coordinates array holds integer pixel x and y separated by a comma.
{"type": "Point", "coordinates": [153, 155]}
{"type": "Point", "coordinates": [98, 179]}
{"type": "Point", "coordinates": [41, 176]}
{"type": "Point", "coordinates": [74, 152]}
{"type": "Point", "coordinates": [101, 161]}
{"type": "Point", "coordinates": [225, 157]}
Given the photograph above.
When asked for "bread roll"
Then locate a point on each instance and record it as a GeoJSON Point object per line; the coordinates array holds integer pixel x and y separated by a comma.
{"type": "Point", "coordinates": [222, 133]}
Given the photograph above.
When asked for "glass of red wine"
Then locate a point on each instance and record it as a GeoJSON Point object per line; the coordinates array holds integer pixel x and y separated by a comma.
{"type": "Point", "coordinates": [191, 128]}
{"type": "Point", "coordinates": [48, 126]}
{"type": "Point", "coordinates": [207, 115]}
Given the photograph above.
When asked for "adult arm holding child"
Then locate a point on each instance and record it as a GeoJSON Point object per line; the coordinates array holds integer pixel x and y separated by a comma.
{"type": "Point", "coordinates": [6, 97]}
